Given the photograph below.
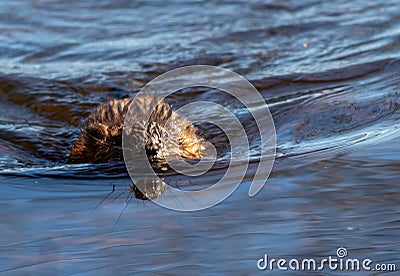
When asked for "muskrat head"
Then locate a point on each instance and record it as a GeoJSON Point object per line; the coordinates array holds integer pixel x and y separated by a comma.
{"type": "Point", "coordinates": [166, 134]}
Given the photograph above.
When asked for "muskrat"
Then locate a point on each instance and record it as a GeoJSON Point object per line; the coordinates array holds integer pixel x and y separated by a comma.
{"type": "Point", "coordinates": [100, 139]}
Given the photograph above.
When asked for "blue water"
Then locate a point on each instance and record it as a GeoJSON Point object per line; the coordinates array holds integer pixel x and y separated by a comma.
{"type": "Point", "coordinates": [329, 72]}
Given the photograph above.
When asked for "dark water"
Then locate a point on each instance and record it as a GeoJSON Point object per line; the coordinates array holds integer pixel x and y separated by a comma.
{"type": "Point", "coordinates": [329, 72]}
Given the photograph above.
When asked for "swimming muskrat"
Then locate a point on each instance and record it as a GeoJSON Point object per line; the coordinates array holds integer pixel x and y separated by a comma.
{"type": "Point", "coordinates": [100, 140]}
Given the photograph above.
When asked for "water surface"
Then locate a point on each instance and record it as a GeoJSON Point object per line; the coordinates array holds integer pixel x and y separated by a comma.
{"type": "Point", "coordinates": [329, 72]}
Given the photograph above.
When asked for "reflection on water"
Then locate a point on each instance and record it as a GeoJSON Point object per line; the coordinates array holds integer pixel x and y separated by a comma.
{"type": "Point", "coordinates": [150, 189]}
{"type": "Point", "coordinates": [329, 72]}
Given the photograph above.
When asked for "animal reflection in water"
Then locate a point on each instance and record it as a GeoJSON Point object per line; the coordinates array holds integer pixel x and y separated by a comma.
{"type": "Point", "coordinates": [165, 134]}
{"type": "Point", "coordinates": [148, 189]}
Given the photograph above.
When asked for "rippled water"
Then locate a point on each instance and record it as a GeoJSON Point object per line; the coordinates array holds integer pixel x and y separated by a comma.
{"type": "Point", "coordinates": [329, 72]}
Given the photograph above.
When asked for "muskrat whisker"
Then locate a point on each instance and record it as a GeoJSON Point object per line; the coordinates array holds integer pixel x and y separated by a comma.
{"type": "Point", "coordinates": [129, 198]}
{"type": "Point", "coordinates": [176, 197]}
{"type": "Point", "coordinates": [118, 196]}
{"type": "Point", "coordinates": [113, 190]}
{"type": "Point", "coordinates": [191, 183]}
{"type": "Point", "coordinates": [129, 194]}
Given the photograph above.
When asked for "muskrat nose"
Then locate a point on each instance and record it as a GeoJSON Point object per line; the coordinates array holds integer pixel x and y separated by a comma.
{"type": "Point", "coordinates": [114, 131]}
{"type": "Point", "coordinates": [103, 130]}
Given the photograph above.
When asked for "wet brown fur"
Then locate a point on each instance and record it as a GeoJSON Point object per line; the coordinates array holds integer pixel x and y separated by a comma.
{"type": "Point", "coordinates": [100, 140]}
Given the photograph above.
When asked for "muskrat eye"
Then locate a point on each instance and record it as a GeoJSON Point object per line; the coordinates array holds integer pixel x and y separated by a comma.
{"type": "Point", "coordinates": [98, 132]}
{"type": "Point", "coordinates": [95, 133]}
